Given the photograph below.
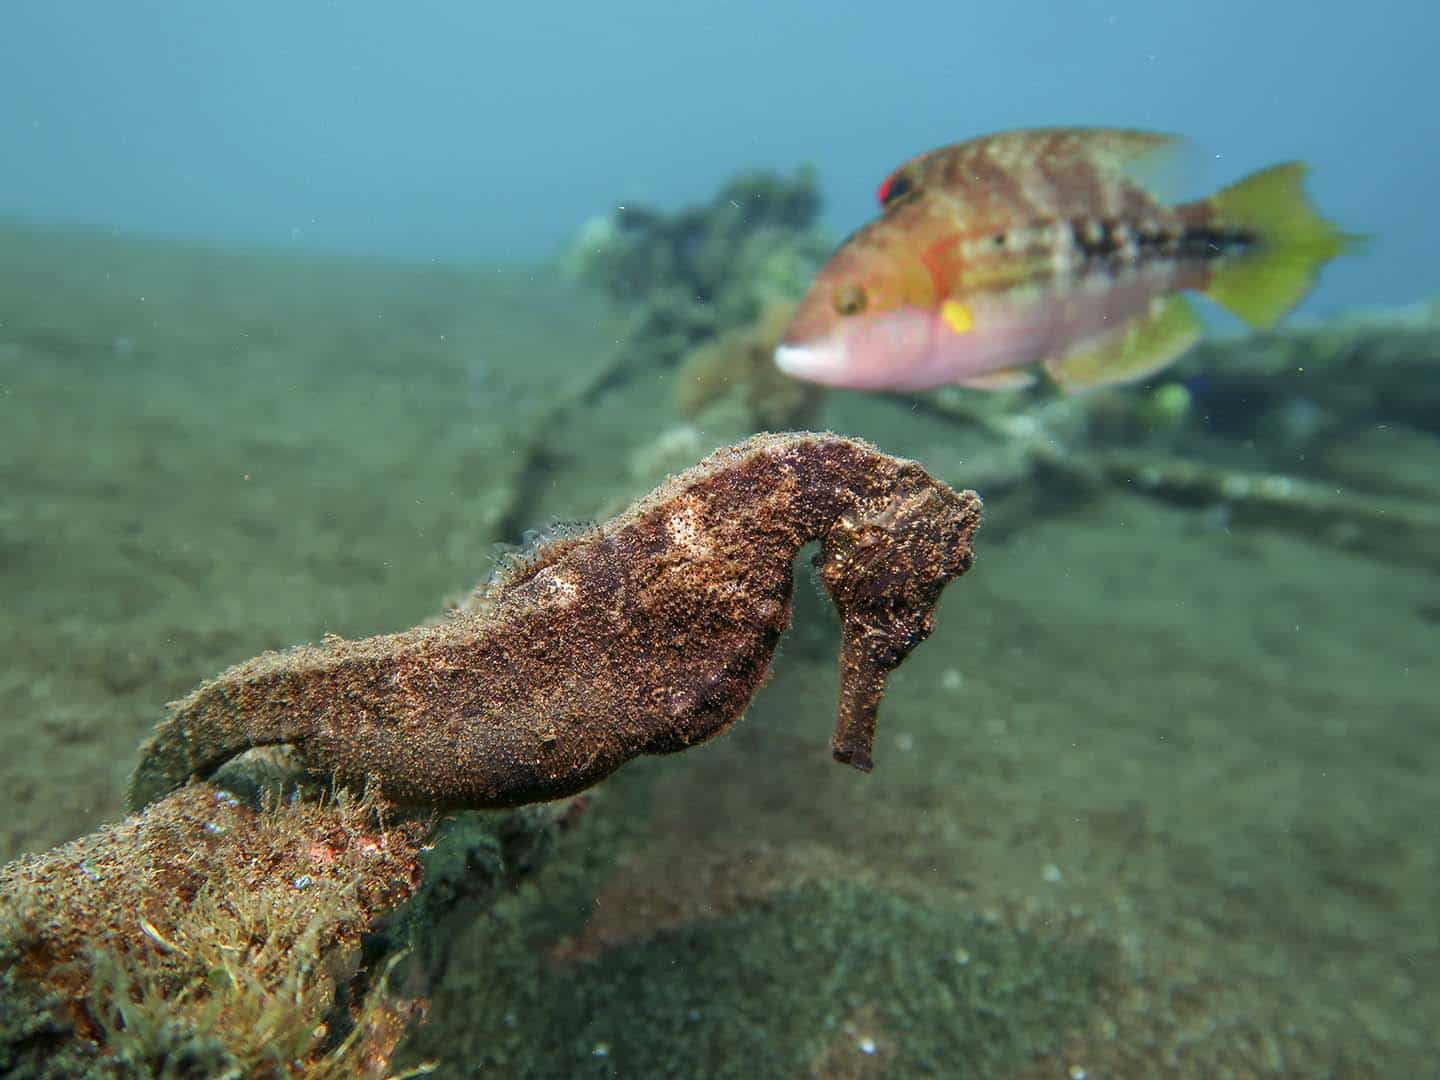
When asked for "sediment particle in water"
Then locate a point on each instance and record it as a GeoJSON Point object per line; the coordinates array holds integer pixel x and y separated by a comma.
{"type": "Point", "coordinates": [647, 636]}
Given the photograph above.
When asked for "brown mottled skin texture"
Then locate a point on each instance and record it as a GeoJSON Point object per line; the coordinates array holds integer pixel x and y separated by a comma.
{"type": "Point", "coordinates": [647, 636]}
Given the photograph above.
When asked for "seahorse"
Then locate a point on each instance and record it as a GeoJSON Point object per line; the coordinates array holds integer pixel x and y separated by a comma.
{"type": "Point", "coordinates": [647, 635]}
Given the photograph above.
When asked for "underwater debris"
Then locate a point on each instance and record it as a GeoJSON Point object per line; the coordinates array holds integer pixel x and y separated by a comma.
{"type": "Point", "coordinates": [687, 276]}
{"type": "Point", "coordinates": [736, 374]}
{"type": "Point", "coordinates": [1071, 449]}
{"type": "Point", "coordinates": [206, 938]}
{"type": "Point", "coordinates": [1358, 367]}
{"type": "Point", "coordinates": [638, 251]}
{"type": "Point", "coordinates": [646, 638]}
{"type": "Point", "coordinates": [1405, 530]}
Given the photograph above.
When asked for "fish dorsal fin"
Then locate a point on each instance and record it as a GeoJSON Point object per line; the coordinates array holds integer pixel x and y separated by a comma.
{"type": "Point", "coordinates": [515, 563]}
{"type": "Point", "coordinates": [1158, 161]}
{"type": "Point", "coordinates": [1121, 149]}
{"type": "Point", "coordinates": [1161, 163]}
{"type": "Point", "coordinates": [1142, 347]}
{"type": "Point", "coordinates": [1055, 161]}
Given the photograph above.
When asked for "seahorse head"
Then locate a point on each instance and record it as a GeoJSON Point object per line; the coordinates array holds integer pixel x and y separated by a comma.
{"type": "Point", "coordinates": [887, 560]}
{"type": "Point", "coordinates": [884, 563]}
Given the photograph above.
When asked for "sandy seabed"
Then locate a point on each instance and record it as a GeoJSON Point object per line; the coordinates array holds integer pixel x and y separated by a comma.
{"type": "Point", "coordinates": [1157, 798]}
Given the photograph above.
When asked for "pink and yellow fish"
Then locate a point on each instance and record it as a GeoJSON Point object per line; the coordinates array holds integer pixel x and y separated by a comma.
{"type": "Point", "coordinates": [1041, 249]}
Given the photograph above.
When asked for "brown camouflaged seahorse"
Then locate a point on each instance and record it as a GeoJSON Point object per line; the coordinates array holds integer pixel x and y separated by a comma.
{"type": "Point", "coordinates": [646, 636]}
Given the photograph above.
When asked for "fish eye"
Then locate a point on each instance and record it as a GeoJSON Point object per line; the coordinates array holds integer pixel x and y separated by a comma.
{"type": "Point", "coordinates": [850, 299]}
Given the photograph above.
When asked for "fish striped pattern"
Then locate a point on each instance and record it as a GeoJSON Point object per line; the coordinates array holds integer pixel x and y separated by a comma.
{"type": "Point", "coordinates": [1023, 207]}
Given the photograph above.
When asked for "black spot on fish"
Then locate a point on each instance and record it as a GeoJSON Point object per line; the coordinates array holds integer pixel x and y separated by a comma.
{"type": "Point", "coordinates": [1106, 241]}
{"type": "Point", "coordinates": [1211, 243]}
{"type": "Point", "coordinates": [1093, 239]}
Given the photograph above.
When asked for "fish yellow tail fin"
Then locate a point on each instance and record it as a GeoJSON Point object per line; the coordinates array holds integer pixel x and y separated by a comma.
{"type": "Point", "coordinates": [1293, 243]}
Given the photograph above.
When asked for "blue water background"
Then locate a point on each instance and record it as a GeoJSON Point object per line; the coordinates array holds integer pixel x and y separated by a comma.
{"type": "Point", "coordinates": [490, 131]}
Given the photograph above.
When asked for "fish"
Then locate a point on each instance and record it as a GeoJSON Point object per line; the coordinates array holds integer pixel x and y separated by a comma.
{"type": "Point", "coordinates": [1047, 250]}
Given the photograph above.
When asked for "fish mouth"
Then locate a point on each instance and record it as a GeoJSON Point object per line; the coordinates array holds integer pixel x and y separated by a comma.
{"type": "Point", "coordinates": [879, 352]}
{"type": "Point", "coordinates": [815, 362]}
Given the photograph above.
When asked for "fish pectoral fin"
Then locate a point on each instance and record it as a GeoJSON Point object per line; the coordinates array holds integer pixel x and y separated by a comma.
{"type": "Point", "coordinates": [1012, 378]}
{"type": "Point", "coordinates": [1142, 347]}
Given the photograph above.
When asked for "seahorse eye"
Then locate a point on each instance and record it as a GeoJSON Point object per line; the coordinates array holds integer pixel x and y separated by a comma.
{"type": "Point", "coordinates": [850, 299]}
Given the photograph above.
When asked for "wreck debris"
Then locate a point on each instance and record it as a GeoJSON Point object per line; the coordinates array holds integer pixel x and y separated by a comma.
{"type": "Point", "coordinates": [686, 276]}
{"type": "Point", "coordinates": [1406, 530]}
{"type": "Point", "coordinates": [734, 378]}
{"type": "Point", "coordinates": [647, 637]}
{"type": "Point", "coordinates": [1368, 364]}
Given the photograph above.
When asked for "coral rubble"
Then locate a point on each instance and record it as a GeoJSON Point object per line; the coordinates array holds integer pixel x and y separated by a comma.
{"type": "Point", "coordinates": [687, 276]}
{"type": "Point", "coordinates": [646, 637]}
{"type": "Point", "coordinates": [733, 382]}
{"type": "Point", "coordinates": [206, 938]}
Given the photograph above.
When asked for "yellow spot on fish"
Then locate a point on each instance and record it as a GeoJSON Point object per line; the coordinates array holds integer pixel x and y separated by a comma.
{"type": "Point", "coordinates": [957, 316]}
